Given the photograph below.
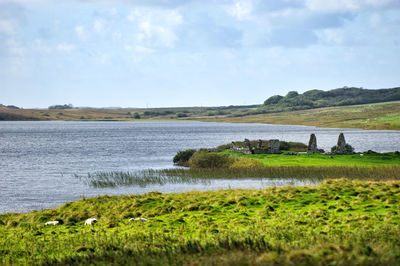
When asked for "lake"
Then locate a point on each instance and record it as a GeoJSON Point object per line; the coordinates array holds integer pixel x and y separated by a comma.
{"type": "Point", "coordinates": [38, 160]}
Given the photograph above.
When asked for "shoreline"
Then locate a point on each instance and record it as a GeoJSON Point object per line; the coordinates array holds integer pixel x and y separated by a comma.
{"type": "Point", "coordinates": [376, 116]}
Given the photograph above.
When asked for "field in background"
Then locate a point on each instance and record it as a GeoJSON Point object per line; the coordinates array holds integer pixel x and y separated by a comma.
{"type": "Point", "coordinates": [367, 116]}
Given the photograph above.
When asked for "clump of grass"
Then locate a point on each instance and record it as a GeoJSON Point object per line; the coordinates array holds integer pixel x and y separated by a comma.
{"type": "Point", "coordinates": [206, 175]}
{"type": "Point", "coordinates": [182, 157]}
{"type": "Point", "coordinates": [141, 178]}
{"type": "Point", "coordinates": [246, 163]}
{"type": "Point", "coordinates": [203, 159]}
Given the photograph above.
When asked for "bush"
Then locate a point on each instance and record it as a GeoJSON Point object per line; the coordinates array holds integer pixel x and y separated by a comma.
{"type": "Point", "coordinates": [59, 106]}
{"type": "Point", "coordinates": [223, 147]}
{"type": "Point", "coordinates": [273, 99]}
{"type": "Point", "coordinates": [182, 157]}
{"type": "Point", "coordinates": [348, 149]}
{"type": "Point", "coordinates": [246, 163]}
{"type": "Point", "coordinates": [210, 160]}
{"type": "Point", "coordinates": [136, 116]}
{"type": "Point", "coordinates": [181, 115]}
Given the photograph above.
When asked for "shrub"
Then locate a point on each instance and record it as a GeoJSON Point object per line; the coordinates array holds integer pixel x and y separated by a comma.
{"type": "Point", "coordinates": [182, 157]}
{"type": "Point", "coordinates": [210, 160]}
{"type": "Point", "coordinates": [59, 106]}
{"type": "Point", "coordinates": [136, 115]}
{"type": "Point", "coordinates": [273, 99]}
{"type": "Point", "coordinates": [348, 149]}
{"type": "Point", "coordinates": [181, 115]}
{"type": "Point", "coordinates": [223, 147]}
{"type": "Point", "coordinates": [246, 163]}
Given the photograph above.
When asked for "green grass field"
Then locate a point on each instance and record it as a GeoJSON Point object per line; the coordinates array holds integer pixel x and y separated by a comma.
{"type": "Point", "coordinates": [322, 160]}
{"type": "Point", "coordinates": [338, 222]}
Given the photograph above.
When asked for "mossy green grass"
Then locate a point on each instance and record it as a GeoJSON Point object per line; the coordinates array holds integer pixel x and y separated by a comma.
{"type": "Point", "coordinates": [322, 160]}
{"type": "Point", "coordinates": [339, 222]}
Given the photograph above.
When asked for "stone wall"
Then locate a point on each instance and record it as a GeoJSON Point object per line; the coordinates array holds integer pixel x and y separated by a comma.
{"type": "Point", "coordinates": [247, 148]}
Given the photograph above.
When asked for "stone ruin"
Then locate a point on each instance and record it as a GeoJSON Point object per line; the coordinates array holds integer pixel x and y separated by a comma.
{"type": "Point", "coordinates": [272, 148]}
{"type": "Point", "coordinates": [246, 149]}
{"type": "Point", "coordinates": [342, 147]}
{"type": "Point", "coordinates": [312, 145]}
{"type": "Point", "coordinates": [341, 144]}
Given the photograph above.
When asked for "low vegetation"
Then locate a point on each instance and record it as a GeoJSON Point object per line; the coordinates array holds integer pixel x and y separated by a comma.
{"type": "Point", "coordinates": [367, 116]}
{"type": "Point", "coordinates": [241, 169]}
{"type": "Point", "coordinates": [339, 222]}
{"type": "Point", "coordinates": [338, 97]}
{"type": "Point", "coordinates": [182, 157]}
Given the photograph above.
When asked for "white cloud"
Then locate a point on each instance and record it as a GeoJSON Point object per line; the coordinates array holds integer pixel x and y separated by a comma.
{"type": "Point", "coordinates": [241, 9]}
{"type": "Point", "coordinates": [331, 36]}
{"type": "Point", "coordinates": [65, 47]}
{"type": "Point", "coordinates": [156, 27]}
{"type": "Point", "coordinates": [139, 49]}
{"type": "Point", "coordinates": [117, 36]}
{"type": "Point", "coordinates": [375, 20]}
{"type": "Point", "coordinates": [98, 26]}
{"type": "Point", "coordinates": [15, 48]}
{"type": "Point", "coordinates": [7, 27]}
{"type": "Point", "coordinates": [41, 46]}
{"type": "Point", "coordinates": [344, 5]}
{"type": "Point", "coordinates": [81, 32]}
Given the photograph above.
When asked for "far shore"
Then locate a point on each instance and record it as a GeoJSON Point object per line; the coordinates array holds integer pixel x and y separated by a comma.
{"type": "Point", "coordinates": [378, 116]}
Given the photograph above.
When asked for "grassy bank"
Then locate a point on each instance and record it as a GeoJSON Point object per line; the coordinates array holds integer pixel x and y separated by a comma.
{"type": "Point", "coordinates": [338, 222]}
{"type": "Point", "coordinates": [322, 160]}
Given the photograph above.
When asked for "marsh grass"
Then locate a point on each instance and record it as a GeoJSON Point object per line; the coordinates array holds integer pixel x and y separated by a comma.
{"type": "Point", "coordinates": [140, 178]}
{"type": "Point", "coordinates": [206, 175]}
{"type": "Point", "coordinates": [294, 172]}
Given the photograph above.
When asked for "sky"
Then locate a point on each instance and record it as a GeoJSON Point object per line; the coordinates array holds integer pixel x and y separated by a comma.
{"type": "Point", "coordinates": [166, 53]}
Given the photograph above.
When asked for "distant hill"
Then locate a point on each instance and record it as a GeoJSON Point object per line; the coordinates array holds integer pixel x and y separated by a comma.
{"type": "Point", "coordinates": [337, 97]}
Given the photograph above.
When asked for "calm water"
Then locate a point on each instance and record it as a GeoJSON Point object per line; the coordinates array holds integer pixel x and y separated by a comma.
{"type": "Point", "coordinates": [38, 160]}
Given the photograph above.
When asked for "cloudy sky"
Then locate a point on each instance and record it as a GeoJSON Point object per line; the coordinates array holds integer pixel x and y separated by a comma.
{"type": "Point", "coordinates": [155, 53]}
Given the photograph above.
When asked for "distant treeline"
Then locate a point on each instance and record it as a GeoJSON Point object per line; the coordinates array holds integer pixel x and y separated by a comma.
{"type": "Point", "coordinates": [338, 97]}
{"type": "Point", "coordinates": [61, 107]}
{"type": "Point", "coordinates": [10, 106]}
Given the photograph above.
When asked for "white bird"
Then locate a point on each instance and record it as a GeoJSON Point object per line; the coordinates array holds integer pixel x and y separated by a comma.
{"type": "Point", "coordinates": [137, 219]}
{"type": "Point", "coordinates": [52, 223]}
{"type": "Point", "coordinates": [90, 221]}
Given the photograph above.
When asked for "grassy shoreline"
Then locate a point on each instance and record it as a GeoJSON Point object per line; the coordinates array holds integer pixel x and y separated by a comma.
{"type": "Point", "coordinates": [339, 222]}
{"type": "Point", "coordinates": [198, 176]}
